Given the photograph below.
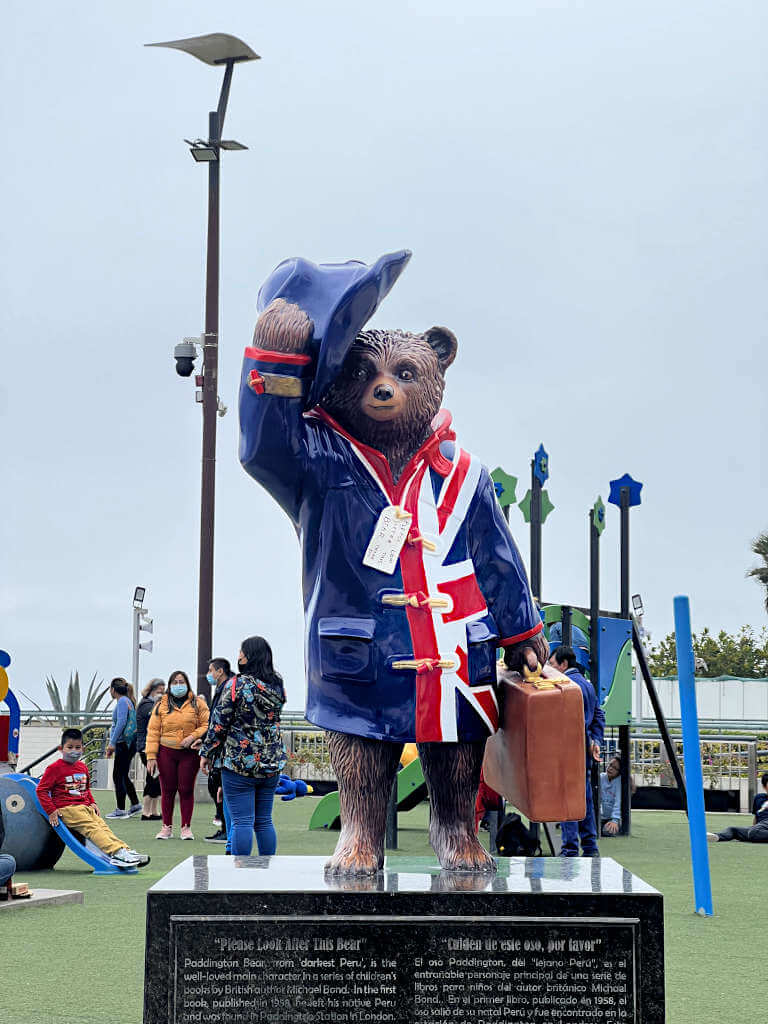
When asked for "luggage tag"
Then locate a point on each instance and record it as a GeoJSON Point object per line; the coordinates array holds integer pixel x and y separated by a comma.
{"type": "Point", "coordinates": [388, 538]}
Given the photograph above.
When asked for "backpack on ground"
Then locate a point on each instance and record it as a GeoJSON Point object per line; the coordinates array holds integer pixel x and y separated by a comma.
{"type": "Point", "coordinates": [515, 840]}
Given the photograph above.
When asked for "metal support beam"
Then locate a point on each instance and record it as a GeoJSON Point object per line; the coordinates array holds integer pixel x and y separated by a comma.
{"type": "Point", "coordinates": [650, 686]}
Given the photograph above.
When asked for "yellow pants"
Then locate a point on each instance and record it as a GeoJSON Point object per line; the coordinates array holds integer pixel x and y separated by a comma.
{"type": "Point", "coordinates": [84, 819]}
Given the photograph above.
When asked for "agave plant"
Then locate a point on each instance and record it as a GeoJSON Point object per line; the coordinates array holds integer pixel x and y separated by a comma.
{"type": "Point", "coordinates": [70, 707]}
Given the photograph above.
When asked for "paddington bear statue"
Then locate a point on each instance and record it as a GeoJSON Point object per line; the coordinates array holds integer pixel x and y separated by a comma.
{"type": "Point", "coordinates": [411, 578]}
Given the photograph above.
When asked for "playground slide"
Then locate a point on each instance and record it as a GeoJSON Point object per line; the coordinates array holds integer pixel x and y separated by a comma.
{"type": "Point", "coordinates": [411, 790]}
{"type": "Point", "coordinates": [86, 851]}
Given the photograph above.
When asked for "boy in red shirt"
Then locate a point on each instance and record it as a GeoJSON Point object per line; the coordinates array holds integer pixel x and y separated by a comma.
{"type": "Point", "coordinates": [64, 793]}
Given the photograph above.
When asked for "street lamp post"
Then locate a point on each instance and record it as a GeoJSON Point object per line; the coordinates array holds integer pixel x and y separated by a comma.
{"type": "Point", "coordinates": [223, 50]}
{"type": "Point", "coordinates": [141, 623]}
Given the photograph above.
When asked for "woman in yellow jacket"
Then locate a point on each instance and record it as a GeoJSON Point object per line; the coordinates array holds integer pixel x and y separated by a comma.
{"type": "Point", "coordinates": [178, 720]}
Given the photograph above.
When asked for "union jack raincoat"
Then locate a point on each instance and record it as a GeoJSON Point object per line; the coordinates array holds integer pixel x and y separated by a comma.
{"type": "Point", "coordinates": [404, 657]}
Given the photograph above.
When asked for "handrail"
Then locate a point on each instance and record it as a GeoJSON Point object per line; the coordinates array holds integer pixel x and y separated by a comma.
{"type": "Point", "coordinates": [43, 757]}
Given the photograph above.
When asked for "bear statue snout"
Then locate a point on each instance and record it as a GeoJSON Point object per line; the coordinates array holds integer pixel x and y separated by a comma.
{"type": "Point", "coordinates": [383, 392]}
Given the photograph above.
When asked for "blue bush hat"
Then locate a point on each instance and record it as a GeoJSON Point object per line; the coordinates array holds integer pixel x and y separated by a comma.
{"type": "Point", "coordinates": [339, 298]}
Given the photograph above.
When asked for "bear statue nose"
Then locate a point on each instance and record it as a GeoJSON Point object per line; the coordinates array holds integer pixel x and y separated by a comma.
{"type": "Point", "coordinates": [383, 392]}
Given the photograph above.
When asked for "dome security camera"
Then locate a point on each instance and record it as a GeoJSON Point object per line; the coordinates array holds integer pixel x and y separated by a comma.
{"type": "Point", "coordinates": [185, 354]}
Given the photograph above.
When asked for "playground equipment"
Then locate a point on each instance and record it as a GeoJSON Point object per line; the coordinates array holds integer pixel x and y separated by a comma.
{"type": "Point", "coordinates": [697, 826]}
{"type": "Point", "coordinates": [10, 724]}
{"type": "Point", "coordinates": [289, 789]}
{"type": "Point", "coordinates": [29, 836]}
{"type": "Point", "coordinates": [603, 640]}
{"type": "Point", "coordinates": [33, 841]}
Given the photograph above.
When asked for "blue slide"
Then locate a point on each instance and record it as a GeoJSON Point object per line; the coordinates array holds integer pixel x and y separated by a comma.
{"type": "Point", "coordinates": [92, 855]}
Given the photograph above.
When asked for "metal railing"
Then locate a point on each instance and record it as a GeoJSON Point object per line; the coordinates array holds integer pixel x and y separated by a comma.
{"type": "Point", "coordinates": [94, 742]}
{"type": "Point", "coordinates": [728, 763]}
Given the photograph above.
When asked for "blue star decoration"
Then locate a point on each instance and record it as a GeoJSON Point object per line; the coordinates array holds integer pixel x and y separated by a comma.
{"type": "Point", "coordinates": [504, 485]}
{"type": "Point", "coordinates": [634, 490]}
{"type": "Point", "coordinates": [541, 465]}
{"type": "Point", "coordinates": [598, 515]}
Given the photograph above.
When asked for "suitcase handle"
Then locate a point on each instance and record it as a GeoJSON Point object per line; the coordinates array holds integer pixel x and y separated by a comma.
{"type": "Point", "coordinates": [535, 678]}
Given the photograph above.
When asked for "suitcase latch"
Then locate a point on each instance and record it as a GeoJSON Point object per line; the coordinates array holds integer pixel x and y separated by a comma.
{"type": "Point", "coordinates": [535, 678]}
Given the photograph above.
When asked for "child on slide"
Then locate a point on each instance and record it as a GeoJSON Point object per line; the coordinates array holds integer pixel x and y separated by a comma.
{"type": "Point", "coordinates": [64, 793]}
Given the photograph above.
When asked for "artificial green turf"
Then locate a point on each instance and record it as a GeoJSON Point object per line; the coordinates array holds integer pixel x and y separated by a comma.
{"type": "Point", "coordinates": [84, 964]}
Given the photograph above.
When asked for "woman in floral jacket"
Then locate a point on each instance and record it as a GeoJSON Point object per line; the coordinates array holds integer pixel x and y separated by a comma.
{"type": "Point", "coordinates": [245, 732]}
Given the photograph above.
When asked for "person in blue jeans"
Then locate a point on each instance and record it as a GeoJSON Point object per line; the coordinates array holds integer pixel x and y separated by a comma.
{"type": "Point", "coordinates": [7, 869]}
{"type": "Point", "coordinates": [564, 660]}
{"type": "Point", "coordinates": [244, 733]}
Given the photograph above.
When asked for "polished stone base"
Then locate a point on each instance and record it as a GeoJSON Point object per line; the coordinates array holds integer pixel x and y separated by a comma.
{"type": "Point", "coordinates": [251, 940]}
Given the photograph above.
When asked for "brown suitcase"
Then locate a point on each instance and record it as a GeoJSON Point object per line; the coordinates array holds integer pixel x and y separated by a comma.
{"type": "Point", "coordinates": [537, 759]}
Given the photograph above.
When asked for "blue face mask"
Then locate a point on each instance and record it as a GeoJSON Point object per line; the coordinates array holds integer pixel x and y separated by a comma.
{"type": "Point", "coordinates": [178, 689]}
{"type": "Point", "coordinates": [210, 678]}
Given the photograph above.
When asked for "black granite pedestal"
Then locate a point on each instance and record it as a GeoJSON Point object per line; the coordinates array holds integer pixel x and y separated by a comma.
{"type": "Point", "coordinates": [544, 941]}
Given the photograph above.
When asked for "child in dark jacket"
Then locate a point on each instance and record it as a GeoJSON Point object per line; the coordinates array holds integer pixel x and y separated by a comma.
{"type": "Point", "coordinates": [65, 794]}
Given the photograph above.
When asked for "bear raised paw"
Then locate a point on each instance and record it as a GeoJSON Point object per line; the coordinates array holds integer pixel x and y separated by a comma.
{"type": "Point", "coordinates": [411, 578]}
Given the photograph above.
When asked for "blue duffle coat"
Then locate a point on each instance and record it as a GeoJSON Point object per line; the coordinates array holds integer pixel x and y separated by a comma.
{"type": "Point", "coordinates": [408, 656]}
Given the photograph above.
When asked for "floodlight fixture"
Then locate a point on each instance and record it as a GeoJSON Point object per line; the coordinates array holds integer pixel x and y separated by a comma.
{"type": "Point", "coordinates": [138, 596]}
{"type": "Point", "coordinates": [202, 153]}
{"type": "Point", "coordinates": [231, 144]}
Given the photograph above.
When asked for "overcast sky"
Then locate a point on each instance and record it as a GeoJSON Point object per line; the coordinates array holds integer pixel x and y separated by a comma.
{"type": "Point", "coordinates": [583, 186]}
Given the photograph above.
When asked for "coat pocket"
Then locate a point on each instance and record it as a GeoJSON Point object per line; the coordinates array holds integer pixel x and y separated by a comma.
{"type": "Point", "coordinates": [347, 651]}
{"type": "Point", "coordinates": [482, 642]}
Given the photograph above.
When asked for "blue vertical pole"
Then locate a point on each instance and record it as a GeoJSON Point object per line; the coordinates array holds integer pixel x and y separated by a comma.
{"type": "Point", "coordinates": [694, 779]}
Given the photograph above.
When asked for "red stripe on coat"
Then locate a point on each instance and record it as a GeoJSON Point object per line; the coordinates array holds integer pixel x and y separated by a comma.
{"type": "Point", "coordinates": [449, 501]}
{"type": "Point", "coordinates": [466, 596]}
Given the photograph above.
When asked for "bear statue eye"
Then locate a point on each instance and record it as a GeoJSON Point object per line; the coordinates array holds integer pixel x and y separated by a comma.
{"type": "Point", "coordinates": [359, 373]}
{"type": "Point", "coordinates": [405, 373]}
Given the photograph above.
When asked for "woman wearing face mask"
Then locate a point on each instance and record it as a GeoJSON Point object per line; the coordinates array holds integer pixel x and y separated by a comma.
{"type": "Point", "coordinates": [122, 743]}
{"type": "Point", "coordinates": [151, 694]}
{"type": "Point", "coordinates": [245, 734]}
{"type": "Point", "coordinates": [179, 718]}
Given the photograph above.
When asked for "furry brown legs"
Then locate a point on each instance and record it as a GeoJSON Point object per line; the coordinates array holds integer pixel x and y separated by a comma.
{"type": "Point", "coordinates": [365, 770]}
{"type": "Point", "coordinates": [452, 773]}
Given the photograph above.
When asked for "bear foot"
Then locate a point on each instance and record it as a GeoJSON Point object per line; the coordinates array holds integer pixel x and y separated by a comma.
{"type": "Point", "coordinates": [462, 852]}
{"type": "Point", "coordinates": [351, 857]}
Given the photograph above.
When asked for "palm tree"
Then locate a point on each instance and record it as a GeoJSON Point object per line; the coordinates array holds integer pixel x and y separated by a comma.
{"type": "Point", "coordinates": [760, 572]}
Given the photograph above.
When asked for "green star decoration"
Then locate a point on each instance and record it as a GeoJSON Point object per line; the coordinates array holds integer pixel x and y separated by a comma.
{"type": "Point", "coordinates": [504, 485]}
{"type": "Point", "coordinates": [525, 506]}
{"type": "Point", "coordinates": [598, 515]}
{"type": "Point", "coordinates": [546, 506]}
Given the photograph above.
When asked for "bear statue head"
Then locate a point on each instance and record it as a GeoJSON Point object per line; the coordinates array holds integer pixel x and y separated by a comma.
{"type": "Point", "coordinates": [390, 385]}
{"type": "Point", "coordinates": [390, 388]}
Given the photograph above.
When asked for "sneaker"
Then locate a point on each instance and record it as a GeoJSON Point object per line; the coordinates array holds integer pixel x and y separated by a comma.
{"type": "Point", "coordinates": [117, 813]}
{"type": "Point", "coordinates": [125, 858]}
{"type": "Point", "coordinates": [166, 832]}
{"type": "Point", "coordinates": [134, 809]}
{"type": "Point", "coordinates": [713, 837]}
{"type": "Point", "coordinates": [155, 817]}
{"type": "Point", "coordinates": [217, 823]}
{"type": "Point", "coordinates": [217, 837]}
{"type": "Point", "coordinates": [141, 859]}
{"type": "Point", "coordinates": [186, 832]}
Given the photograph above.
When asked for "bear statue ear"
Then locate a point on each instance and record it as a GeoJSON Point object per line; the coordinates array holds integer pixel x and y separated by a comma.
{"type": "Point", "coordinates": [444, 343]}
